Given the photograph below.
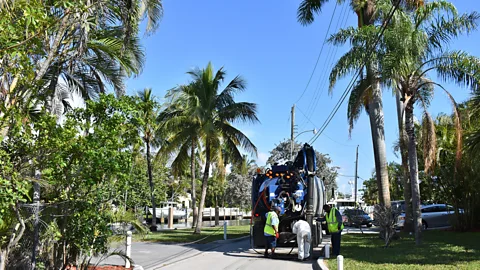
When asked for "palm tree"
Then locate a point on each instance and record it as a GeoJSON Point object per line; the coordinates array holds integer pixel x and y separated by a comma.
{"type": "Point", "coordinates": [106, 54]}
{"type": "Point", "coordinates": [183, 140]}
{"type": "Point", "coordinates": [365, 11]}
{"type": "Point", "coordinates": [410, 49]}
{"type": "Point", "coordinates": [211, 112]}
{"type": "Point", "coordinates": [149, 128]}
{"type": "Point", "coordinates": [408, 61]}
{"type": "Point", "coordinates": [245, 166]}
{"type": "Point", "coordinates": [88, 45]}
{"type": "Point", "coordinates": [366, 14]}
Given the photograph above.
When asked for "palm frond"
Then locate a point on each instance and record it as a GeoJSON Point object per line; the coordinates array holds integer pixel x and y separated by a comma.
{"type": "Point", "coordinates": [356, 36]}
{"type": "Point", "coordinates": [241, 111]}
{"type": "Point", "coordinates": [307, 10]}
{"type": "Point", "coordinates": [153, 10]}
{"type": "Point", "coordinates": [234, 154]}
{"type": "Point", "coordinates": [182, 159]}
{"type": "Point", "coordinates": [357, 101]}
{"type": "Point", "coordinates": [473, 142]}
{"type": "Point", "coordinates": [459, 67]}
{"type": "Point", "coordinates": [237, 137]}
{"type": "Point", "coordinates": [348, 63]}
{"type": "Point", "coordinates": [178, 140]}
{"type": "Point", "coordinates": [458, 126]}
{"type": "Point", "coordinates": [425, 91]}
{"type": "Point", "coordinates": [430, 9]}
{"type": "Point", "coordinates": [444, 29]}
{"type": "Point", "coordinates": [225, 98]}
{"type": "Point", "coordinates": [429, 139]}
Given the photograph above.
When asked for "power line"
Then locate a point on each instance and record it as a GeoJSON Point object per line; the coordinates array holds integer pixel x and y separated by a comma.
{"type": "Point", "coordinates": [337, 142]}
{"type": "Point", "coordinates": [350, 86]}
{"type": "Point", "coordinates": [329, 65]}
{"type": "Point", "coordinates": [352, 176]}
{"type": "Point", "coordinates": [309, 120]}
{"type": "Point", "coordinates": [318, 58]}
{"type": "Point", "coordinates": [341, 22]}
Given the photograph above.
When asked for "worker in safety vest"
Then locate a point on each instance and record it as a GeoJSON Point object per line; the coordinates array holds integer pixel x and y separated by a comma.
{"type": "Point", "coordinates": [271, 230]}
{"type": "Point", "coordinates": [334, 225]}
{"type": "Point", "coordinates": [304, 237]}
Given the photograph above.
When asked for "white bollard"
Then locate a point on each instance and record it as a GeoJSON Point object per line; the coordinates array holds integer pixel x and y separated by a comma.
{"type": "Point", "coordinates": [327, 251]}
{"type": "Point", "coordinates": [224, 230]}
{"type": "Point", "coordinates": [128, 248]}
{"type": "Point", "coordinates": [340, 262]}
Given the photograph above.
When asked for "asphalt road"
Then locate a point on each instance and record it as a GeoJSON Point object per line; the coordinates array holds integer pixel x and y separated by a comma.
{"type": "Point", "coordinates": [219, 255]}
{"type": "Point", "coordinates": [237, 255]}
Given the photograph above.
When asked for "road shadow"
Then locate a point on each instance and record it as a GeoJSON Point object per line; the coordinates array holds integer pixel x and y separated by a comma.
{"type": "Point", "coordinates": [152, 255]}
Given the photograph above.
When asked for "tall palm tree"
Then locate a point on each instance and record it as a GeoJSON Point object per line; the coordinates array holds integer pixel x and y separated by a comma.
{"type": "Point", "coordinates": [409, 66]}
{"type": "Point", "coordinates": [211, 112]}
{"type": "Point", "coordinates": [182, 139]}
{"type": "Point", "coordinates": [409, 50]}
{"type": "Point", "coordinates": [365, 11]}
{"type": "Point", "coordinates": [149, 128]}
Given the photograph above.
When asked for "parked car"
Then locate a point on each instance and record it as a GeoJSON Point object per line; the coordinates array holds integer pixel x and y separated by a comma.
{"type": "Point", "coordinates": [356, 217]}
{"type": "Point", "coordinates": [398, 205]}
{"type": "Point", "coordinates": [433, 215]}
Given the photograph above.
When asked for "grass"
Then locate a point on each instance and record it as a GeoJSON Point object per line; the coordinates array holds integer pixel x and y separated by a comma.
{"type": "Point", "coordinates": [187, 236]}
{"type": "Point", "coordinates": [439, 250]}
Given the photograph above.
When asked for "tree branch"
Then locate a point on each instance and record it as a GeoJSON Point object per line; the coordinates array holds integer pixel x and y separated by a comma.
{"type": "Point", "coordinates": [15, 238]}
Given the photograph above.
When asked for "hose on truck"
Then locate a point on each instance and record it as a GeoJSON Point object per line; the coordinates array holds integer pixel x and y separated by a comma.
{"type": "Point", "coordinates": [251, 221]}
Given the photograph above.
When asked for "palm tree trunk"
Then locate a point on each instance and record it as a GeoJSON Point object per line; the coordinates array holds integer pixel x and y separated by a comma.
{"type": "Point", "coordinates": [206, 174]}
{"type": "Point", "coordinates": [413, 164]}
{"type": "Point", "coordinates": [375, 108]}
{"type": "Point", "coordinates": [407, 188]}
{"type": "Point", "coordinates": [375, 113]}
{"type": "Point", "coordinates": [43, 66]}
{"type": "Point", "coordinates": [153, 227]}
{"type": "Point", "coordinates": [194, 187]}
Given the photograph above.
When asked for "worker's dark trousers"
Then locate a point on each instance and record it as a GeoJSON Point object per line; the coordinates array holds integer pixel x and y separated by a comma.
{"type": "Point", "coordinates": [336, 239]}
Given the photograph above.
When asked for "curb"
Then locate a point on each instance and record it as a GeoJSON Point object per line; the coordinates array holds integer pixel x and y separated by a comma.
{"type": "Point", "coordinates": [319, 264]}
{"type": "Point", "coordinates": [137, 267]}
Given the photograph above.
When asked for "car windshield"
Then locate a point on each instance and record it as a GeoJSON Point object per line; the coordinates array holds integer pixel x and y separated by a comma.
{"type": "Point", "coordinates": [355, 212]}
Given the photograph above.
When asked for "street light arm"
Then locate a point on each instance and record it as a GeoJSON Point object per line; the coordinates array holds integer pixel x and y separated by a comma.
{"type": "Point", "coordinates": [292, 142]}
{"type": "Point", "coordinates": [314, 132]}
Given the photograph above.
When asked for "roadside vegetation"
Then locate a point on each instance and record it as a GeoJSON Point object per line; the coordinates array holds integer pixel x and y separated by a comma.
{"type": "Point", "coordinates": [439, 250]}
{"type": "Point", "coordinates": [79, 156]}
{"type": "Point", "coordinates": [209, 234]}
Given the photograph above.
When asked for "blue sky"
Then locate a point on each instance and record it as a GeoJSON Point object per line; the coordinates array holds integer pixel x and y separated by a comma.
{"type": "Point", "coordinates": [263, 42]}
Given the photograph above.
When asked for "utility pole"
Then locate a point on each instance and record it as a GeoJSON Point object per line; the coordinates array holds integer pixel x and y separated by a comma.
{"type": "Point", "coordinates": [292, 131]}
{"type": "Point", "coordinates": [356, 177]}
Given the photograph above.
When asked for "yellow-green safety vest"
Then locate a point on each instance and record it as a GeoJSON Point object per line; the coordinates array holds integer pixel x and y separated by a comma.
{"type": "Point", "coordinates": [268, 225]}
{"type": "Point", "coordinates": [332, 221]}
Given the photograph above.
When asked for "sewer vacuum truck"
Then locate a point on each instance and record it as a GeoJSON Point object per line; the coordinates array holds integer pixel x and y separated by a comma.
{"type": "Point", "coordinates": [299, 193]}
